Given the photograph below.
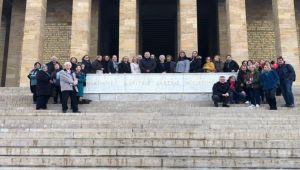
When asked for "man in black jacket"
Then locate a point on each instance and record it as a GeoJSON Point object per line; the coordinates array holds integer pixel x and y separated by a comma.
{"type": "Point", "coordinates": [147, 65]}
{"type": "Point", "coordinates": [230, 65]}
{"type": "Point", "coordinates": [221, 92]}
{"type": "Point", "coordinates": [51, 64]}
{"type": "Point", "coordinates": [287, 76]}
{"type": "Point", "coordinates": [196, 63]}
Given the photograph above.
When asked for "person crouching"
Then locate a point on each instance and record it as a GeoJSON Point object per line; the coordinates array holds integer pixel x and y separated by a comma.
{"type": "Point", "coordinates": [221, 92]}
{"type": "Point", "coordinates": [68, 85]}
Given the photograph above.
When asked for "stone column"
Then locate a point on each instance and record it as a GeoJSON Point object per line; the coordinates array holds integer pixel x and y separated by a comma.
{"type": "Point", "coordinates": [188, 26]}
{"type": "Point", "coordinates": [94, 29]}
{"type": "Point", "coordinates": [286, 32]}
{"type": "Point", "coordinates": [1, 7]}
{"type": "Point", "coordinates": [15, 43]}
{"type": "Point", "coordinates": [129, 31]}
{"type": "Point", "coordinates": [81, 28]}
{"type": "Point", "coordinates": [32, 48]}
{"type": "Point", "coordinates": [237, 30]}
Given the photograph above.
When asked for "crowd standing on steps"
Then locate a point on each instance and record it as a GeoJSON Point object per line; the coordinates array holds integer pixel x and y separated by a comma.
{"type": "Point", "coordinates": [253, 83]}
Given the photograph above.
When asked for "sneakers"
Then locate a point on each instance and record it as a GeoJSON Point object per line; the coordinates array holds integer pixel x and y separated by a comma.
{"type": "Point", "coordinates": [257, 106]}
{"type": "Point", "coordinates": [247, 102]}
{"type": "Point", "coordinates": [251, 106]}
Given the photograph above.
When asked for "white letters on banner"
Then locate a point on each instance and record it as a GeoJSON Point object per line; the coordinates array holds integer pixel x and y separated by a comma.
{"type": "Point", "coordinates": [152, 83]}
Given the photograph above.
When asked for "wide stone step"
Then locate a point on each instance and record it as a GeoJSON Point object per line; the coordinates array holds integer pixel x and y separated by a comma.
{"type": "Point", "coordinates": [149, 152]}
{"type": "Point", "coordinates": [151, 143]}
{"type": "Point", "coordinates": [151, 124]}
{"type": "Point", "coordinates": [234, 134]}
{"type": "Point", "coordinates": [169, 162]}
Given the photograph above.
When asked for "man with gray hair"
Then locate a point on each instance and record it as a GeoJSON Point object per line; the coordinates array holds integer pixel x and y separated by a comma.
{"type": "Point", "coordinates": [68, 85]}
{"type": "Point", "coordinates": [51, 64]}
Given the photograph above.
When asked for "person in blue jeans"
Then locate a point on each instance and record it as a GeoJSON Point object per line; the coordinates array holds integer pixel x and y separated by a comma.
{"type": "Point", "coordinates": [269, 81]}
{"type": "Point", "coordinates": [253, 85]}
{"type": "Point", "coordinates": [287, 76]}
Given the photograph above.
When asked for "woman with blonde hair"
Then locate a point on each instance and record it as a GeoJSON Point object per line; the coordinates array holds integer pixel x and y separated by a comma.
{"type": "Point", "coordinates": [134, 65]}
{"type": "Point", "coordinates": [209, 66]}
{"type": "Point", "coordinates": [124, 66]}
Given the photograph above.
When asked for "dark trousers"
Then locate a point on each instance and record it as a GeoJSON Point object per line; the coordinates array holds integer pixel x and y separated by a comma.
{"type": "Point", "coordinates": [41, 102]}
{"type": "Point", "coordinates": [254, 95]}
{"type": "Point", "coordinates": [33, 91]}
{"type": "Point", "coordinates": [217, 99]}
{"type": "Point", "coordinates": [271, 98]}
{"type": "Point", "coordinates": [262, 94]}
{"type": "Point", "coordinates": [57, 93]}
{"type": "Point", "coordinates": [236, 97]}
{"type": "Point", "coordinates": [74, 102]}
{"type": "Point", "coordinates": [287, 92]}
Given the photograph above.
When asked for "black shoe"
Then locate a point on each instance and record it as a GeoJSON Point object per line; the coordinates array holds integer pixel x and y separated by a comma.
{"type": "Point", "coordinates": [226, 105]}
{"type": "Point", "coordinates": [290, 106]}
{"type": "Point", "coordinates": [273, 108]}
{"type": "Point", "coordinates": [64, 111]}
{"type": "Point", "coordinates": [54, 102]}
{"type": "Point", "coordinates": [216, 104]}
{"type": "Point", "coordinates": [77, 112]}
{"type": "Point", "coordinates": [38, 108]}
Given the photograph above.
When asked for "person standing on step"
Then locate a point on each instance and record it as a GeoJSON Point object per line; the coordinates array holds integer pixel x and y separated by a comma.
{"type": "Point", "coordinates": [43, 87]}
{"type": "Point", "coordinates": [219, 65]}
{"type": "Point", "coordinates": [230, 65]}
{"type": "Point", "coordinates": [183, 63]}
{"type": "Point", "coordinates": [287, 77]}
{"type": "Point", "coordinates": [33, 81]}
{"type": "Point", "coordinates": [196, 63]}
{"type": "Point", "coordinates": [269, 81]}
{"type": "Point", "coordinates": [68, 85]}
{"type": "Point", "coordinates": [97, 65]}
{"type": "Point", "coordinates": [74, 63]}
{"type": "Point", "coordinates": [134, 65]}
{"type": "Point", "coordinates": [113, 65]}
{"type": "Point", "coordinates": [51, 64]}
{"type": "Point", "coordinates": [221, 92]}
{"type": "Point", "coordinates": [161, 64]}
{"type": "Point", "coordinates": [253, 85]}
{"type": "Point", "coordinates": [105, 64]}
{"type": "Point", "coordinates": [170, 64]}
{"type": "Point", "coordinates": [147, 65]}
{"type": "Point", "coordinates": [124, 66]}
{"type": "Point", "coordinates": [81, 77]}
{"type": "Point", "coordinates": [87, 64]}
{"type": "Point", "coordinates": [56, 83]}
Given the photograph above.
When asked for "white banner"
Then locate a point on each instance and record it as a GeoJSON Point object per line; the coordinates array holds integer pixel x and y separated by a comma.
{"type": "Point", "coordinates": [152, 83]}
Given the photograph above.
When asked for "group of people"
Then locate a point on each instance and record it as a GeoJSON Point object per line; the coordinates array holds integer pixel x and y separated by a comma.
{"type": "Point", "coordinates": [52, 80]}
{"type": "Point", "coordinates": [254, 82]}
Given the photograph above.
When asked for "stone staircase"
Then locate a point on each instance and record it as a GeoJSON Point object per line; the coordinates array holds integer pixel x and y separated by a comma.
{"type": "Point", "coordinates": [146, 135]}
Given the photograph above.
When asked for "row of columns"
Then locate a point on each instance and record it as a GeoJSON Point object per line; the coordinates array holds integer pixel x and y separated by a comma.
{"type": "Point", "coordinates": [35, 18]}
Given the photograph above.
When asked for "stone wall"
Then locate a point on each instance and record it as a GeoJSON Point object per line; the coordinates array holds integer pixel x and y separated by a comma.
{"type": "Point", "coordinates": [261, 33]}
{"type": "Point", "coordinates": [223, 32]}
{"type": "Point", "coordinates": [15, 43]}
{"type": "Point", "coordinates": [58, 30]}
{"type": "Point", "coordinates": [2, 44]}
{"type": "Point", "coordinates": [297, 7]}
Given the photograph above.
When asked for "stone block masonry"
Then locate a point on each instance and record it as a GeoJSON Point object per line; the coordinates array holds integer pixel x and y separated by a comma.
{"type": "Point", "coordinates": [58, 30]}
{"type": "Point", "coordinates": [297, 8]}
{"type": "Point", "coordinates": [260, 26]}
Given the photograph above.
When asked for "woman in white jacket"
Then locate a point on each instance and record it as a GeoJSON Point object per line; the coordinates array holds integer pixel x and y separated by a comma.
{"type": "Point", "coordinates": [135, 68]}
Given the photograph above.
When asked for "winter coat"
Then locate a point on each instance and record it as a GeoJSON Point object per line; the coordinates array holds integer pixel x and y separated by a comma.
{"type": "Point", "coordinates": [43, 87]}
{"type": "Point", "coordinates": [147, 64]}
{"type": "Point", "coordinates": [220, 88]}
{"type": "Point", "coordinates": [269, 80]}
{"type": "Point", "coordinates": [230, 66]}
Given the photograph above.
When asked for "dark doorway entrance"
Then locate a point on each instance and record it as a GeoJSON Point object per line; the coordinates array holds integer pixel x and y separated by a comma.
{"type": "Point", "coordinates": [109, 27]}
{"type": "Point", "coordinates": [158, 26]}
{"type": "Point", "coordinates": [208, 27]}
